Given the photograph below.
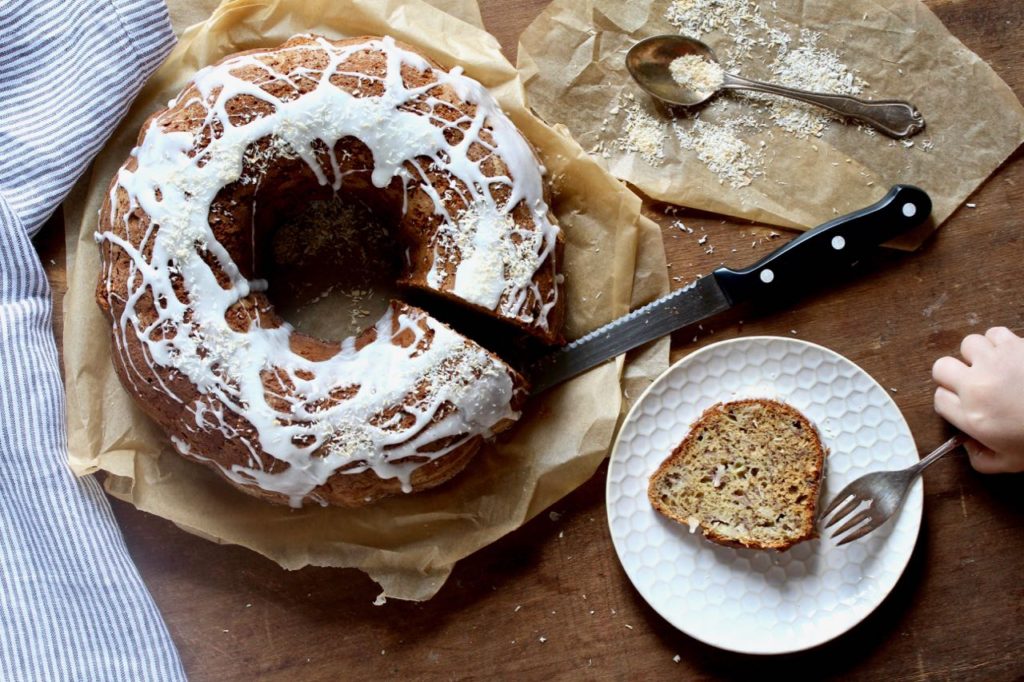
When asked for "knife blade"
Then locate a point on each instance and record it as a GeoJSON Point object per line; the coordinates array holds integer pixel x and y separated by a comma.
{"type": "Point", "coordinates": [837, 244]}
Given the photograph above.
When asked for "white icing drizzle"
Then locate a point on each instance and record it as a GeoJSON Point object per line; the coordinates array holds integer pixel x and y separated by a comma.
{"type": "Point", "coordinates": [446, 386]}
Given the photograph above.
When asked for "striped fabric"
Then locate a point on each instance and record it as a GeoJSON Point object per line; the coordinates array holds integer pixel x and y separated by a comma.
{"type": "Point", "coordinates": [72, 605]}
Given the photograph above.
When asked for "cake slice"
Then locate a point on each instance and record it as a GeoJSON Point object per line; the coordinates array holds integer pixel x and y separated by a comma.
{"type": "Point", "coordinates": [747, 474]}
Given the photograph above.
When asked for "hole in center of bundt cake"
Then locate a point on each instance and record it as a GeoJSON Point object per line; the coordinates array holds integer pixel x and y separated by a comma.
{"type": "Point", "coordinates": [331, 267]}
{"type": "Point", "coordinates": [330, 258]}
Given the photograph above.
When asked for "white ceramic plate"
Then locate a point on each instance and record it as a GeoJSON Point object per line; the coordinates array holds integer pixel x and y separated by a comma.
{"type": "Point", "coordinates": [755, 601]}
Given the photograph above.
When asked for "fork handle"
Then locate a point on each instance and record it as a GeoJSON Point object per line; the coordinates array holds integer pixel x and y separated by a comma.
{"type": "Point", "coordinates": [947, 447]}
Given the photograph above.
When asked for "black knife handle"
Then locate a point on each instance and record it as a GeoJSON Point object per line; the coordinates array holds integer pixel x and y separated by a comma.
{"type": "Point", "coordinates": [828, 248]}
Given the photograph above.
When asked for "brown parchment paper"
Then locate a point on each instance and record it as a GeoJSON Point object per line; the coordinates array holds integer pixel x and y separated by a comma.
{"type": "Point", "coordinates": [408, 544]}
{"type": "Point", "coordinates": [572, 62]}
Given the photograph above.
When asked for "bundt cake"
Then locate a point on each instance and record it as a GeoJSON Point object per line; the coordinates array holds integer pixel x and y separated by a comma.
{"type": "Point", "coordinates": [748, 474]}
{"type": "Point", "coordinates": [183, 237]}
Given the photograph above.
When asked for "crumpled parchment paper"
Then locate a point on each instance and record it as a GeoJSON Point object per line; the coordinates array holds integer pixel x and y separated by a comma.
{"type": "Point", "coordinates": [572, 62]}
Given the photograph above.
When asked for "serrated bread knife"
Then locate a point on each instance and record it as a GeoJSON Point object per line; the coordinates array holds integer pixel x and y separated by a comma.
{"type": "Point", "coordinates": [826, 249]}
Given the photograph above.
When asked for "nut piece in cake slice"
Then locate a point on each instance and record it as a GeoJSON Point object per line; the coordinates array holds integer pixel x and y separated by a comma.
{"type": "Point", "coordinates": [747, 474]}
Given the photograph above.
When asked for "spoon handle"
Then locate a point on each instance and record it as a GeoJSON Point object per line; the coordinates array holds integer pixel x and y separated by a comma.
{"type": "Point", "coordinates": [893, 117]}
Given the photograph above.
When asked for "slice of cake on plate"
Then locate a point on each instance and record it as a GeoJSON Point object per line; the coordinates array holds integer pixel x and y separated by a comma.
{"type": "Point", "coordinates": [747, 474]}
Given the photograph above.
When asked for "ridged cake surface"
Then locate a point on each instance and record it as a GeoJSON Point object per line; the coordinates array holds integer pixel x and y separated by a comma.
{"type": "Point", "coordinates": [288, 417]}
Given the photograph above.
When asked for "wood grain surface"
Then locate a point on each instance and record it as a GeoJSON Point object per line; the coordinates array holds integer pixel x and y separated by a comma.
{"type": "Point", "coordinates": [956, 614]}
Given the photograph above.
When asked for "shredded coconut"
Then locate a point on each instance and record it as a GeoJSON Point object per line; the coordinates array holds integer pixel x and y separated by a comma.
{"type": "Point", "coordinates": [696, 73]}
{"type": "Point", "coordinates": [644, 134]}
{"type": "Point", "coordinates": [720, 147]}
{"type": "Point", "coordinates": [740, 21]}
{"type": "Point", "coordinates": [487, 246]}
{"type": "Point", "coordinates": [809, 67]}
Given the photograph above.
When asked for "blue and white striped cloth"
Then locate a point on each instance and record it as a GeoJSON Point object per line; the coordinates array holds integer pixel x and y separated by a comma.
{"type": "Point", "coordinates": [72, 604]}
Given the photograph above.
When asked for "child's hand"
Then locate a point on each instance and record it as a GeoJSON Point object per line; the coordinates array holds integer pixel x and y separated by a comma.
{"type": "Point", "coordinates": [985, 398]}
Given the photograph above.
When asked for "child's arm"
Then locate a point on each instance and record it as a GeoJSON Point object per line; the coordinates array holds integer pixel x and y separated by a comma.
{"type": "Point", "coordinates": [983, 396]}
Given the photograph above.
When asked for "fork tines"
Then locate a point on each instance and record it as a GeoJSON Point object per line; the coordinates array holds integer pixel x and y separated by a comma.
{"type": "Point", "coordinates": [854, 523]}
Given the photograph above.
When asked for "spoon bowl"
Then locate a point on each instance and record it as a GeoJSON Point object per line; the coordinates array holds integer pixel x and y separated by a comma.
{"type": "Point", "coordinates": [650, 63]}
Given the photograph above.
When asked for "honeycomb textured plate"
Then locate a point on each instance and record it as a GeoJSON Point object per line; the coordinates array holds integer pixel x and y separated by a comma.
{"type": "Point", "coordinates": [755, 601]}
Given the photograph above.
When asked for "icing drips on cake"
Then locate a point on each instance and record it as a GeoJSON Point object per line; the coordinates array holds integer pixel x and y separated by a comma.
{"type": "Point", "coordinates": [417, 383]}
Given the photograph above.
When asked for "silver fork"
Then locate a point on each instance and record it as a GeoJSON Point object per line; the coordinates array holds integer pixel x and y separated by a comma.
{"type": "Point", "coordinates": [884, 492]}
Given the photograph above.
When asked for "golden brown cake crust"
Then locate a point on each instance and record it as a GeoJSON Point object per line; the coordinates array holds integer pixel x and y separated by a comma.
{"type": "Point", "coordinates": [275, 177]}
{"type": "Point", "coordinates": [736, 451]}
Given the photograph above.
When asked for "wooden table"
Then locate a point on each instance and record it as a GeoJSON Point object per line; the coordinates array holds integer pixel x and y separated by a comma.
{"type": "Point", "coordinates": [956, 614]}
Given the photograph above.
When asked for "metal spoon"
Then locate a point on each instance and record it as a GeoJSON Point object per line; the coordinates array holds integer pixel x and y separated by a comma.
{"type": "Point", "coordinates": [648, 62]}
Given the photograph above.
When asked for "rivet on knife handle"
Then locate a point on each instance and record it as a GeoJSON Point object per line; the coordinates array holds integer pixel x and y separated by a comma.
{"type": "Point", "coordinates": [833, 246]}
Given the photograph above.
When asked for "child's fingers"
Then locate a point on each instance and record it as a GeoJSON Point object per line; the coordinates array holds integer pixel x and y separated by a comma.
{"type": "Point", "coordinates": [974, 346]}
{"type": "Point", "coordinates": [984, 460]}
{"type": "Point", "coordinates": [947, 404]}
{"type": "Point", "coordinates": [998, 335]}
{"type": "Point", "coordinates": [949, 372]}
